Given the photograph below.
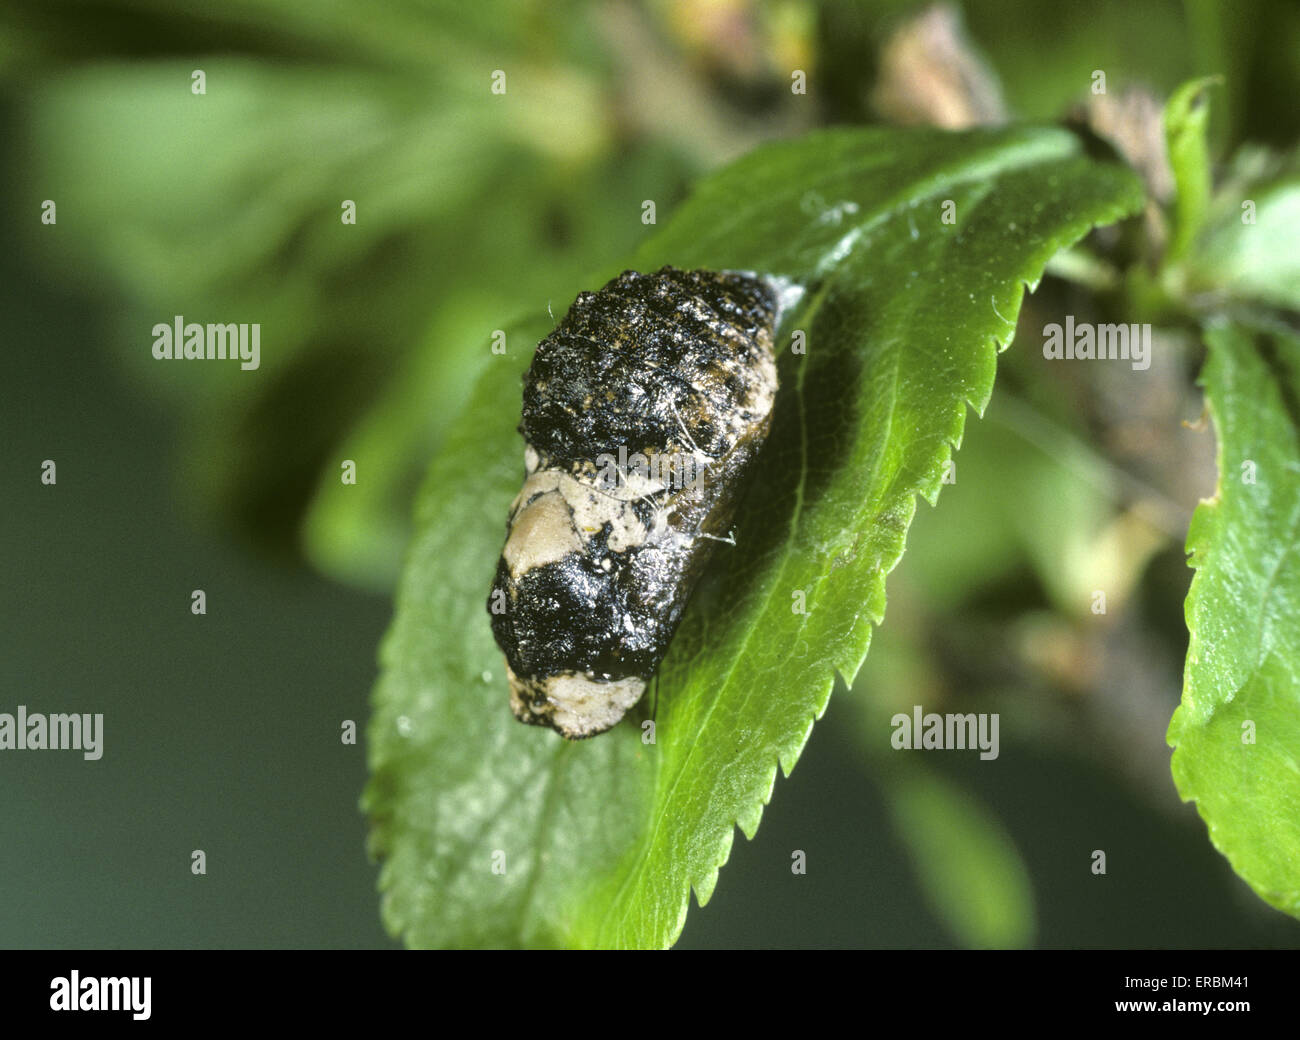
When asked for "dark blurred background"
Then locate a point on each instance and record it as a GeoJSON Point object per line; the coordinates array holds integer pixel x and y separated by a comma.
{"type": "Point", "coordinates": [222, 732]}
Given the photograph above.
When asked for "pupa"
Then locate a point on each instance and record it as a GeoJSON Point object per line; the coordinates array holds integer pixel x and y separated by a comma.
{"type": "Point", "coordinates": [643, 413]}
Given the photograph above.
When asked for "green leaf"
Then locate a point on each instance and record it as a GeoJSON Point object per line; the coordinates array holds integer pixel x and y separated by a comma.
{"type": "Point", "coordinates": [1237, 732]}
{"type": "Point", "coordinates": [1250, 252]}
{"type": "Point", "coordinates": [602, 840]}
{"type": "Point", "coordinates": [967, 863]}
{"type": "Point", "coordinates": [1187, 119]}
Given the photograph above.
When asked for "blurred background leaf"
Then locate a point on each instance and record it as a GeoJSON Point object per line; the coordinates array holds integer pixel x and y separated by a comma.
{"type": "Point", "coordinates": [1248, 251]}
{"type": "Point", "coordinates": [965, 860]}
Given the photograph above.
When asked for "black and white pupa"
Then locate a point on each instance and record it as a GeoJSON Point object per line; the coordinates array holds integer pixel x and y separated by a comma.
{"type": "Point", "coordinates": [643, 413]}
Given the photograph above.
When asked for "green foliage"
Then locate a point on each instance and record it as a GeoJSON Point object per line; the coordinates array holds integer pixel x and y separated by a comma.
{"type": "Point", "coordinates": [965, 861]}
{"type": "Point", "coordinates": [603, 840]}
{"type": "Point", "coordinates": [1187, 117]}
{"type": "Point", "coordinates": [229, 203]}
{"type": "Point", "coordinates": [1237, 732]}
{"type": "Point", "coordinates": [1248, 251]}
{"type": "Point", "coordinates": [475, 207]}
